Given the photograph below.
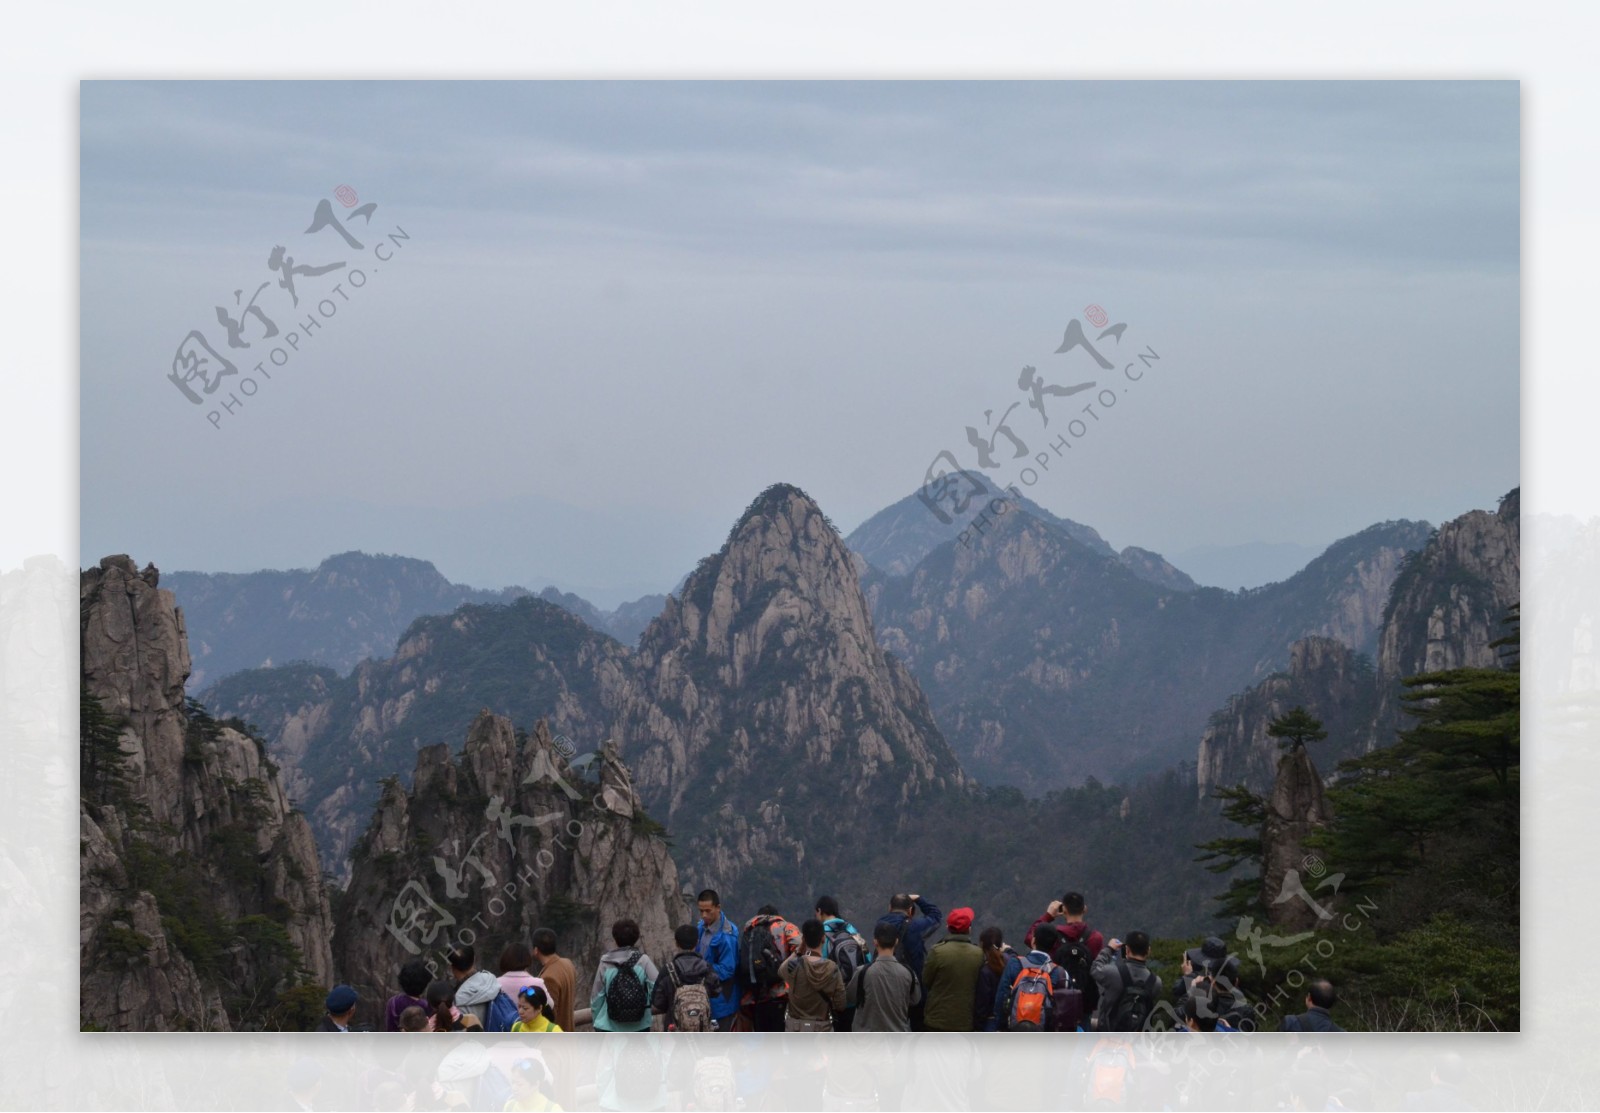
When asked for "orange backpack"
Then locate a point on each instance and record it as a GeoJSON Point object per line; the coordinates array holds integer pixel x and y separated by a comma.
{"type": "Point", "coordinates": [1032, 999]}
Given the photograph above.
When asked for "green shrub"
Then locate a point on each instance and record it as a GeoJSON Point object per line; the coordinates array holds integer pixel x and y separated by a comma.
{"type": "Point", "coordinates": [121, 947]}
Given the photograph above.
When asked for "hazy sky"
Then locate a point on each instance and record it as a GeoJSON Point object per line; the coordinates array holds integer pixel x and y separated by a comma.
{"type": "Point", "coordinates": [625, 308]}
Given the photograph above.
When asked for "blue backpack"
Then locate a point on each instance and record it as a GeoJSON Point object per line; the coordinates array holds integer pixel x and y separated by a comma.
{"type": "Point", "coordinates": [502, 1013]}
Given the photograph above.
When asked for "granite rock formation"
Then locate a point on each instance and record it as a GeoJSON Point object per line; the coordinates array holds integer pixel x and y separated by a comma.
{"type": "Point", "coordinates": [201, 896]}
{"type": "Point", "coordinates": [1296, 807]}
{"type": "Point", "coordinates": [492, 843]}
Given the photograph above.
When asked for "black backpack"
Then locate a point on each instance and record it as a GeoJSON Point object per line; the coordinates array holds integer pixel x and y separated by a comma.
{"type": "Point", "coordinates": [759, 957]}
{"type": "Point", "coordinates": [1073, 956]}
{"type": "Point", "coordinates": [846, 948]}
{"type": "Point", "coordinates": [1136, 1004]}
{"type": "Point", "coordinates": [627, 997]}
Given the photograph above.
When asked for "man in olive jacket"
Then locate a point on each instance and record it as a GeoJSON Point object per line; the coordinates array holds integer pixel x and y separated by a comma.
{"type": "Point", "coordinates": [950, 976]}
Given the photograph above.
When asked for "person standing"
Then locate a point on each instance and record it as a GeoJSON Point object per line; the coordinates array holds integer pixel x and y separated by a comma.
{"type": "Point", "coordinates": [914, 920]}
{"type": "Point", "coordinates": [516, 969]}
{"type": "Point", "coordinates": [816, 991]}
{"type": "Point", "coordinates": [717, 941]}
{"type": "Point", "coordinates": [475, 989]}
{"type": "Point", "coordinates": [764, 996]}
{"type": "Point", "coordinates": [1320, 999]}
{"type": "Point", "coordinates": [414, 979]}
{"type": "Point", "coordinates": [1033, 990]}
{"type": "Point", "coordinates": [620, 996]}
{"type": "Point", "coordinates": [534, 1013]}
{"type": "Point", "coordinates": [560, 977]}
{"type": "Point", "coordinates": [996, 954]}
{"type": "Point", "coordinates": [685, 970]}
{"type": "Point", "coordinates": [1079, 945]}
{"type": "Point", "coordinates": [950, 976]}
{"type": "Point", "coordinates": [341, 1006]}
{"type": "Point", "coordinates": [1129, 989]}
{"type": "Point", "coordinates": [885, 990]}
{"type": "Point", "coordinates": [844, 945]}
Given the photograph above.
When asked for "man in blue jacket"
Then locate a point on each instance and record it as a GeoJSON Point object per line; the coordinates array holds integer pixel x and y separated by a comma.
{"type": "Point", "coordinates": [913, 932]}
{"type": "Point", "coordinates": [1319, 1001]}
{"type": "Point", "coordinates": [717, 941]}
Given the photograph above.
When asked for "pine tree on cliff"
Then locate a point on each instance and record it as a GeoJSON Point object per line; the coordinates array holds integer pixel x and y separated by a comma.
{"type": "Point", "coordinates": [1296, 728]}
{"type": "Point", "coordinates": [103, 777]}
{"type": "Point", "coordinates": [1445, 797]}
{"type": "Point", "coordinates": [1249, 811]}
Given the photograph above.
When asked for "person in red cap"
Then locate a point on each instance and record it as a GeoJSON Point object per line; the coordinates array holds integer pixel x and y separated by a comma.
{"type": "Point", "coordinates": [951, 976]}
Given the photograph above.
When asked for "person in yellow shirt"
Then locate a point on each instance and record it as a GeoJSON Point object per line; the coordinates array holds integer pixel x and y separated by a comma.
{"type": "Point", "coordinates": [534, 1011]}
{"type": "Point", "coordinates": [528, 1095]}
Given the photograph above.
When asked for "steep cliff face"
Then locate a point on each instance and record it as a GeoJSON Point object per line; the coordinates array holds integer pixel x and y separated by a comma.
{"type": "Point", "coordinates": [201, 893]}
{"type": "Point", "coordinates": [1342, 593]}
{"type": "Point", "coordinates": [1330, 681]}
{"type": "Point", "coordinates": [1448, 603]}
{"type": "Point", "coordinates": [768, 725]}
{"type": "Point", "coordinates": [491, 844]}
{"type": "Point", "coordinates": [1296, 808]}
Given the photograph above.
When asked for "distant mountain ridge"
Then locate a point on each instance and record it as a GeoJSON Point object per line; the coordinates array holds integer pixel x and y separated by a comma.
{"type": "Point", "coordinates": [1047, 661]}
{"type": "Point", "coordinates": [761, 722]}
{"type": "Point", "coordinates": [1445, 609]}
{"type": "Point", "coordinates": [760, 718]}
{"type": "Point", "coordinates": [897, 538]}
{"type": "Point", "coordinates": [791, 704]}
{"type": "Point", "coordinates": [351, 607]}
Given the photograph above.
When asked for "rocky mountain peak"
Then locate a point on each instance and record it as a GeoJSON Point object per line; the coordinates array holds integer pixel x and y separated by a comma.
{"type": "Point", "coordinates": [493, 843]}
{"type": "Point", "coordinates": [783, 570]}
{"type": "Point", "coordinates": [201, 895]}
{"type": "Point", "coordinates": [765, 696]}
{"type": "Point", "coordinates": [1449, 601]}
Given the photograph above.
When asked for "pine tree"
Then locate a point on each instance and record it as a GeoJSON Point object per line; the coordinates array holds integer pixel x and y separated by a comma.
{"type": "Point", "coordinates": [1296, 728]}
{"type": "Point", "coordinates": [1223, 855]}
{"type": "Point", "coordinates": [102, 764]}
{"type": "Point", "coordinates": [1445, 797]}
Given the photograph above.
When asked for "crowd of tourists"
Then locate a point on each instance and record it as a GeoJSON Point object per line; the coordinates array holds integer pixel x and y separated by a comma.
{"type": "Point", "coordinates": [825, 975]}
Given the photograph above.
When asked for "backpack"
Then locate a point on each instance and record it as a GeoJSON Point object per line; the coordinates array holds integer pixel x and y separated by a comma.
{"type": "Point", "coordinates": [846, 948]}
{"type": "Point", "coordinates": [627, 996]}
{"type": "Point", "coordinates": [502, 1013]}
{"type": "Point", "coordinates": [759, 957]}
{"type": "Point", "coordinates": [1073, 956]}
{"type": "Point", "coordinates": [494, 1088]}
{"type": "Point", "coordinates": [691, 1004]}
{"type": "Point", "coordinates": [1134, 1007]}
{"type": "Point", "coordinates": [1108, 1075]}
{"type": "Point", "coordinates": [713, 1087]}
{"type": "Point", "coordinates": [1033, 1007]}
